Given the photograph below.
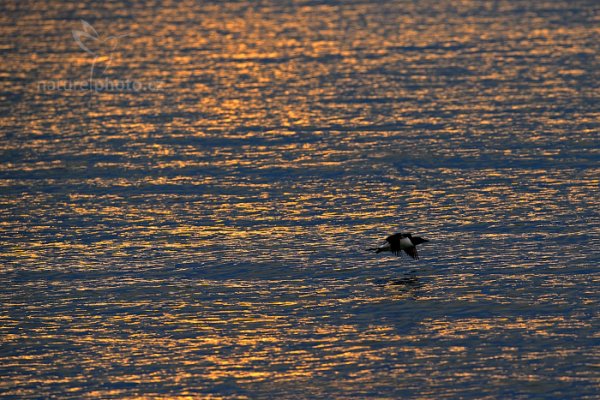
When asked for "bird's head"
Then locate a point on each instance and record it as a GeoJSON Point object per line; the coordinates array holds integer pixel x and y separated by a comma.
{"type": "Point", "coordinates": [418, 240]}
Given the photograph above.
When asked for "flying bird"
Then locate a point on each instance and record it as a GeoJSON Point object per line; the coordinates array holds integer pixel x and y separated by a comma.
{"type": "Point", "coordinates": [399, 242]}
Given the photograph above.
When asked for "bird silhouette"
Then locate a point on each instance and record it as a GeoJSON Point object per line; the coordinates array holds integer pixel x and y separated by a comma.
{"type": "Point", "coordinates": [399, 242]}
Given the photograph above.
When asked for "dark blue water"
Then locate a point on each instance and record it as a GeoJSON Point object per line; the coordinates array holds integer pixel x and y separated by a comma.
{"type": "Point", "coordinates": [188, 190]}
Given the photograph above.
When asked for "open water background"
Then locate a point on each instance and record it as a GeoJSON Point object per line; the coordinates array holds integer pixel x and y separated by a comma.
{"type": "Point", "coordinates": [207, 237]}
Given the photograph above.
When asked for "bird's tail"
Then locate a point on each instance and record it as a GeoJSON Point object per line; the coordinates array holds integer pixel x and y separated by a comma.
{"type": "Point", "coordinates": [375, 249]}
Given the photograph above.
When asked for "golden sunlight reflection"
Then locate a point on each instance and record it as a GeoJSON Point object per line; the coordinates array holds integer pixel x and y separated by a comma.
{"type": "Point", "coordinates": [205, 235]}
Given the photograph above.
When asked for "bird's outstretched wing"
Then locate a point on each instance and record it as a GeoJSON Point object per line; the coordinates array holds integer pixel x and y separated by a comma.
{"type": "Point", "coordinates": [412, 251]}
{"type": "Point", "coordinates": [394, 241]}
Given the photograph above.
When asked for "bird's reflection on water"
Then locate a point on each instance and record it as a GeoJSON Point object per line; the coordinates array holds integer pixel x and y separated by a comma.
{"type": "Point", "coordinates": [410, 279]}
{"type": "Point", "coordinates": [408, 284]}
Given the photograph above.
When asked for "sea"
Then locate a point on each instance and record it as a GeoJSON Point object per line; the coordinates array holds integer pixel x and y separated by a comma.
{"type": "Point", "coordinates": [188, 190]}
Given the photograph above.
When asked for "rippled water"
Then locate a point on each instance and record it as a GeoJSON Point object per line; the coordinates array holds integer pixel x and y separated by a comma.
{"type": "Point", "coordinates": [205, 234]}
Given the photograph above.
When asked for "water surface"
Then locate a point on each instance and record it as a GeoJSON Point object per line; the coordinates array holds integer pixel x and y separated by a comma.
{"type": "Point", "coordinates": [205, 234]}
